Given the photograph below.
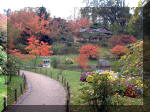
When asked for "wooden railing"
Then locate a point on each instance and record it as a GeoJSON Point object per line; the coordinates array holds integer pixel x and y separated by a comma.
{"type": "Point", "coordinates": [23, 85]}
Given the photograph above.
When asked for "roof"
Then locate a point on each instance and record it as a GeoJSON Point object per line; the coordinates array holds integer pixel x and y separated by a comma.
{"type": "Point", "coordinates": [101, 30]}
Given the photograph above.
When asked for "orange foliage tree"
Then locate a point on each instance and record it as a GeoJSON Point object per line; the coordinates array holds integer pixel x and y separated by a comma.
{"type": "Point", "coordinates": [3, 22]}
{"type": "Point", "coordinates": [118, 50]}
{"type": "Point", "coordinates": [29, 22]}
{"type": "Point", "coordinates": [87, 51]}
{"type": "Point", "coordinates": [37, 48]}
{"type": "Point", "coordinates": [23, 24]}
{"type": "Point", "coordinates": [122, 40]}
{"type": "Point", "coordinates": [79, 23]}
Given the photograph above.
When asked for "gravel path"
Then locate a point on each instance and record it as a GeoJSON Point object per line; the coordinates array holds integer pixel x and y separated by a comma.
{"type": "Point", "coordinates": [44, 91]}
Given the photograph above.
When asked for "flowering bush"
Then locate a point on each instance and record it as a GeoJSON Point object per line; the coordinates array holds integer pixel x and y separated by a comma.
{"type": "Point", "coordinates": [84, 76]}
{"type": "Point", "coordinates": [131, 91]}
{"type": "Point", "coordinates": [69, 61]}
{"type": "Point", "coordinates": [119, 83]}
{"type": "Point", "coordinates": [132, 61]}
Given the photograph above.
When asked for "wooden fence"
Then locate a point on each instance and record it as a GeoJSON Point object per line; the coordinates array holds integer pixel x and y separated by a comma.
{"type": "Point", "coordinates": [23, 85]}
{"type": "Point", "coordinates": [59, 77]}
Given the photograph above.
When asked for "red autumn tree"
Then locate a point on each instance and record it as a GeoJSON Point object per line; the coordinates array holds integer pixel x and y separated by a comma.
{"type": "Point", "coordinates": [59, 28]}
{"type": "Point", "coordinates": [87, 51]}
{"type": "Point", "coordinates": [29, 22]}
{"type": "Point", "coordinates": [3, 22]}
{"type": "Point", "coordinates": [122, 40]}
{"type": "Point", "coordinates": [79, 23]}
{"type": "Point", "coordinates": [37, 48]}
{"type": "Point", "coordinates": [23, 24]}
{"type": "Point", "coordinates": [118, 50]}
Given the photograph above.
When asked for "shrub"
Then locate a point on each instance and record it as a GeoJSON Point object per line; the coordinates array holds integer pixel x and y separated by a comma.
{"type": "Point", "coordinates": [87, 51]}
{"type": "Point", "coordinates": [69, 61]}
{"type": "Point", "coordinates": [58, 48]}
{"type": "Point", "coordinates": [132, 62]}
{"type": "Point", "coordinates": [131, 92]}
{"type": "Point", "coordinates": [119, 84]}
{"type": "Point", "coordinates": [118, 50]}
{"type": "Point", "coordinates": [55, 62]}
{"type": "Point", "coordinates": [3, 59]}
{"type": "Point", "coordinates": [98, 92]}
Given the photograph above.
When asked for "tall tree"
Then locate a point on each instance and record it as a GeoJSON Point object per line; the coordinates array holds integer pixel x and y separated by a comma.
{"type": "Point", "coordinates": [108, 13]}
{"type": "Point", "coordinates": [3, 29]}
{"type": "Point", "coordinates": [26, 23]}
{"type": "Point", "coordinates": [42, 10]}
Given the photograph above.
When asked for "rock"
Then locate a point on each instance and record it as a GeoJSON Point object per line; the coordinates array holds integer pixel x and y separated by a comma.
{"type": "Point", "coordinates": [103, 64]}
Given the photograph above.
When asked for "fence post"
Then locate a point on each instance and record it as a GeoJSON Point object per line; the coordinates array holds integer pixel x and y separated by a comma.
{"type": "Point", "coordinates": [40, 70]}
{"type": "Point", "coordinates": [67, 85]}
{"type": "Point", "coordinates": [18, 72]}
{"type": "Point", "coordinates": [5, 104]}
{"type": "Point", "coordinates": [57, 77]}
{"type": "Point", "coordinates": [51, 74]}
{"type": "Point", "coordinates": [46, 72]}
{"type": "Point", "coordinates": [62, 79]}
{"type": "Point", "coordinates": [21, 89]}
{"type": "Point", "coordinates": [15, 94]}
{"type": "Point", "coordinates": [24, 82]}
{"type": "Point", "coordinates": [68, 97]}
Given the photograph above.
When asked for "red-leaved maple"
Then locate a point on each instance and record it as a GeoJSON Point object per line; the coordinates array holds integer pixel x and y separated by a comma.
{"type": "Point", "coordinates": [79, 23]}
{"type": "Point", "coordinates": [118, 50]}
{"type": "Point", "coordinates": [3, 22]}
{"type": "Point", "coordinates": [122, 40]}
{"type": "Point", "coordinates": [87, 51]}
{"type": "Point", "coordinates": [29, 22]}
{"type": "Point", "coordinates": [37, 48]}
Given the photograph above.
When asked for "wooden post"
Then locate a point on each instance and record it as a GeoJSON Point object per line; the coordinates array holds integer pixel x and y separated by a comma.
{"type": "Point", "coordinates": [21, 90]}
{"type": "Point", "coordinates": [62, 79]}
{"type": "Point", "coordinates": [51, 74]}
{"type": "Point", "coordinates": [18, 72]}
{"type": "Point", "coordinates": [15, 94]}
{"type": "Point", "coordinates": [57, 77]}
{"type": "Point", "coordinates": [68, 98]}
{"type": "Point", "coordinates": [40, 70]}
{"type": "Point", "coordinates": [67, 85]}
{"type": "Point", "coordinates": [5, 104]}
{"type": "Point", "coordinates": [24, 82]}
{"type": "Point", "coordinates": [46, 72]}
{"type": "Point", "coordinates": [24, 78]}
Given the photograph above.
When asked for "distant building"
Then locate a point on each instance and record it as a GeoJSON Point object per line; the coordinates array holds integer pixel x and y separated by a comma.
{"type": "Point", "coordinates": [92, 34]}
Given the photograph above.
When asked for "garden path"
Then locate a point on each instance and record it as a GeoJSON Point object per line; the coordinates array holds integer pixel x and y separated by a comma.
{"type": "Point", "coordinates": [44, 91]}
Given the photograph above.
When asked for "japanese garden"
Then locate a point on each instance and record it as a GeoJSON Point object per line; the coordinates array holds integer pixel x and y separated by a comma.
{"type": "Point", "coordinates": [94, 60]}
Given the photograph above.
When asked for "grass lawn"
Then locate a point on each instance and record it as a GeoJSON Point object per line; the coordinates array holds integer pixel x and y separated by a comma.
{"type": "Point", "coordinates": [15, 84]}
{"type": "Point", "coordinates": [3, 91]}
{"type": "Point", "coordinates": [8, 91]}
